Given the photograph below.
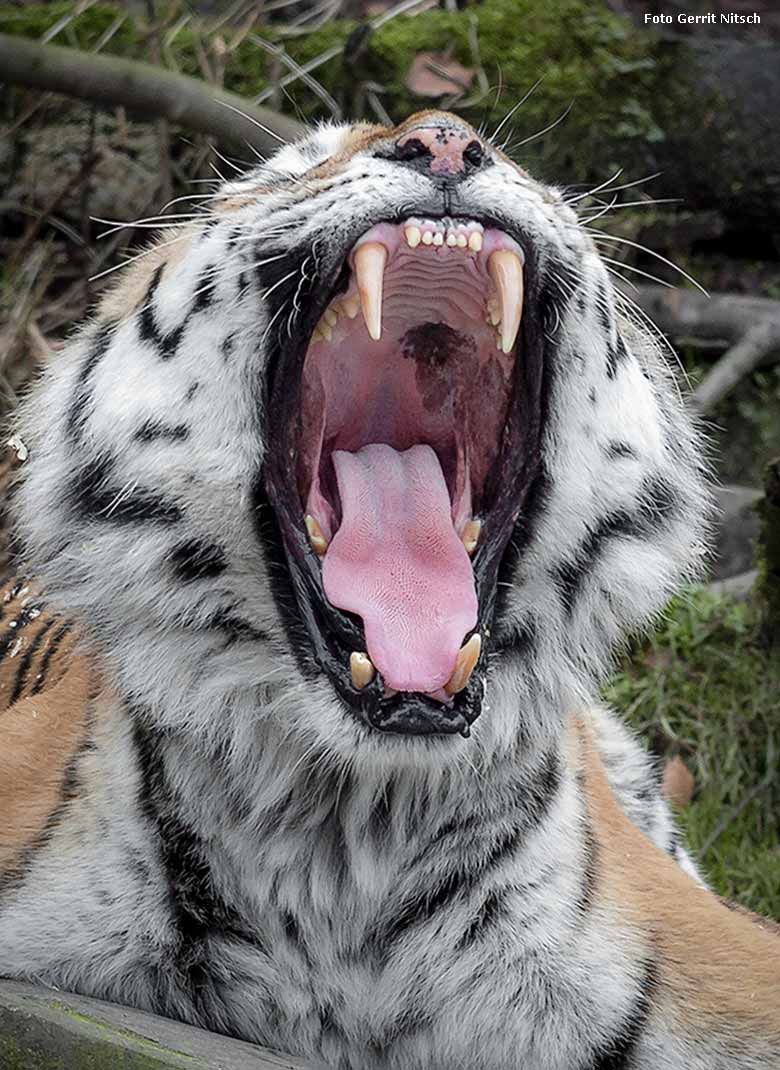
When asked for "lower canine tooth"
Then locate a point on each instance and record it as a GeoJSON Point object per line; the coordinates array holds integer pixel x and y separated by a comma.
{"type": "Point", "coordinates": [506, 271]}
{"type": "Point", "coordinates": [316, 537]}
{"type": "Point", "coordinates": [470, 536]}
{"type": "Point", "coordinates": [468, 656]}
{"type": "Point", "coordinates": [370, 260]}
{"type": "Point", "coordinates": [361, 669]}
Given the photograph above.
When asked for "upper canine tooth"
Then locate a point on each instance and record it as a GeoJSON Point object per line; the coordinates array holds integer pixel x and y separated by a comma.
{"type": "Point", "coordinates": [316, 536]}
{"type": "Point", "coordinates": [361, 669]}
{"type": "Point", "coordinates": [370, 260]}
{"type": "Point", "coordinates": [470, 536]}
{"type": "Point", "coordinates": [506, 271]}
{"type": "Point", "coordinates": [468, 656]}
{"type": "Point", "coordinates": [413, 236]}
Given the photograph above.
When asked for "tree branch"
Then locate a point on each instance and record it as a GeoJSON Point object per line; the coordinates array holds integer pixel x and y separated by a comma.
{"type": "Point", "coordinates": [151, 91]}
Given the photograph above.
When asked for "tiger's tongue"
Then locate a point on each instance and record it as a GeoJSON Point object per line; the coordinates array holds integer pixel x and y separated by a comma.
{"type": "Point", "coordinates": [397, 561]}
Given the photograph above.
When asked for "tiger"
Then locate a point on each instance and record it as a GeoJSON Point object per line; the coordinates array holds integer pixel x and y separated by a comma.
{"type": "Point", "coordinates": [325, 530]}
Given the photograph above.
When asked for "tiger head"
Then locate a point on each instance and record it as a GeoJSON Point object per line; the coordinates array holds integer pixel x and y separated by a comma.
{"type": "Point", "coordinates": [370, 454]}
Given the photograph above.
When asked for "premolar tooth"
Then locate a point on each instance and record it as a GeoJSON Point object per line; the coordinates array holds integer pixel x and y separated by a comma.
{"type": "Point", "coordinates": [331, 316]}
{"type": "Point", "coordinates": [506, 271]}
{"type": "Point", "coordinates": [370, 260]}
{"type": "Point", "coordinates": [468, 656]}
{"type": "Point", "coordinates": [413, 236]}
{"type": "Point", "coordinates": [494, 311]}
{"type": "Point", "coordinates": [316, 536]}
{"type": "Point", "coordinates": [475, 241]}
{"type": "Point", "coordinates": [470, 535]}
{"type": "Point", "coordinates": [361, 669]}
{"type": "Point", "coordinates": [351, 305]}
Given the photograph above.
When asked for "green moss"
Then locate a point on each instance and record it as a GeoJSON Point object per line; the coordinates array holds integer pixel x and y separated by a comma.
{"type": "Point", "coordinates": [705, 688]}
{"type": "Point", "coordinates": [623, 88]}
{"type": "Point", "coordinates": [116, 1031]}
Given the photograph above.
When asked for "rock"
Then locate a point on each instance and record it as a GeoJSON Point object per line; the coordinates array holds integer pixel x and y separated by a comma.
{"type": "Point", "coordinates": [737, 530]}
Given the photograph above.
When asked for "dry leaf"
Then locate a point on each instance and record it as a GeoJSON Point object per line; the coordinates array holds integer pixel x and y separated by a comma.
{"type": "Point", "coordinates": [435, 74]}
{"type": "Point", "coordinates": [678, 785]}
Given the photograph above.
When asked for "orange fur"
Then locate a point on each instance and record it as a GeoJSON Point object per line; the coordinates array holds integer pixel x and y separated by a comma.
{"type": "Point", "coordinates": [714, 963]}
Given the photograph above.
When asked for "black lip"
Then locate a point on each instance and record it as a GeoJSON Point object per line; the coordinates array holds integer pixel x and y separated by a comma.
{"type": "Point", "coordinates": [323, 636]}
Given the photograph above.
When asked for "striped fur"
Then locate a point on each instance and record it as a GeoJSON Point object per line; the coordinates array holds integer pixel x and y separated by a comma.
{"type": "Point", "coordinates": [190, 821]}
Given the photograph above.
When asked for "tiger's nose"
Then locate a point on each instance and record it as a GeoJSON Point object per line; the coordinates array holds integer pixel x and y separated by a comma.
{"type": "Point", "coordinates": [444, 149]}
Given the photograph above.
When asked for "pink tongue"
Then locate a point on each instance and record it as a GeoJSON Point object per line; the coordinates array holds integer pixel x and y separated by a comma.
{"type": "Point", "coordinates": [397, 561]}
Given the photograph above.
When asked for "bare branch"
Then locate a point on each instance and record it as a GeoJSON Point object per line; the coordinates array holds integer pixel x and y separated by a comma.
{"type": "Point", "coordinates": [145, 89]}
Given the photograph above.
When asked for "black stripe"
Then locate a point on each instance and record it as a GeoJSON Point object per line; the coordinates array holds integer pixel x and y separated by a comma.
{"type": "Point", "coordinates": [197, 560]}
{"type": "Point", "coordinates": [95, 498]}
{"type": "Point", "coordinates": [460, 882]}
{"type": "Point", "coordinates": [616, 355]}
{"type": "Point", "coordinates": [51, 650]}
{"type": "Point", "coordinates": [77, 416]}
{"type": "Point", "coordinates": [16, 626]}
{"type": "Point", "coordinates": [570, 575]}
{"type": "Point", "coordinates": [152, 431]}
{"type": "Point", "coordinates": [235, 627]}
{"type": "Point", "coordinates": [615, 449]}
{"type": "Point", "coordinates": [149, 331]}
{"type": "Point", "coordinates": [590, 870]}
{"type": "Point", "coordinates": [619, 1052]}
{"type": "Point", "coordinates": [198, 911]}
{"type": "Point", "coordinates": [69, 789]}
{"type": "Point", "coordinates": [491, 911]}
{"type": "Point", "coordinates": [25, 662]}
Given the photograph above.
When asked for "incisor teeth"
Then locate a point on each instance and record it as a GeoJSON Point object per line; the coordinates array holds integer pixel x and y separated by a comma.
{"type": "Point", "coordinates": [361, 669]}
{"type": "Point", "coordinates": [506, 271]}
{"type": "Point", "coordinates": [475, 241]}
{"type": "Point", "coordinates": [462, 241]}
{"type": "Point", "coordinates": [470, 536]}
{"type": "Point", "coordinates": [427, 238]}
{"type": "Point", "coordinates": [452, 238]}
{"type": "Point", "coordinates": [438, 238]}
{"type": "Point", "coordinates": [468, 656]}
{"type": "Point", "coordinates": [316, 536]}
{"type": "Point", "coordinates": [413, 236]}
{"type": "Point", "coordinates": [370, 260]}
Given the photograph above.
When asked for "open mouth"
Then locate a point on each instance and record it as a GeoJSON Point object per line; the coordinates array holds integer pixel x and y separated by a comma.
{"type": "Point", "coordinates": [409, 435]}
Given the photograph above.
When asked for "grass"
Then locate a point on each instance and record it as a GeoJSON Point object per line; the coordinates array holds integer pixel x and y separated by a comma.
{"type": "Point", "coordinates": [703, 688]}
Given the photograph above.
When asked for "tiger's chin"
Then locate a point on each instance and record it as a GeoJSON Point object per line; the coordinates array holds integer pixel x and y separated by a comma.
{"type": "Point", "coordinates": [407, 434]}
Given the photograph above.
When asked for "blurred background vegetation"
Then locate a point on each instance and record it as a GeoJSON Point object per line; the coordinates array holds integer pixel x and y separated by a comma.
{"type": "Point", "coordinates": [606, 101]}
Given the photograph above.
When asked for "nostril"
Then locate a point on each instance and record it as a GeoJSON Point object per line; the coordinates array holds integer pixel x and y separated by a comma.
{"type": "Point", "coordinates": [412, 149]}
{"type": "Point", "coordinates": [474, 153]}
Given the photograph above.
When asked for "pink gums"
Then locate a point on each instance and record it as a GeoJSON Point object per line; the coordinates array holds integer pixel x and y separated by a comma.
{"type": "Point", "coordinates": [412, 425]}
